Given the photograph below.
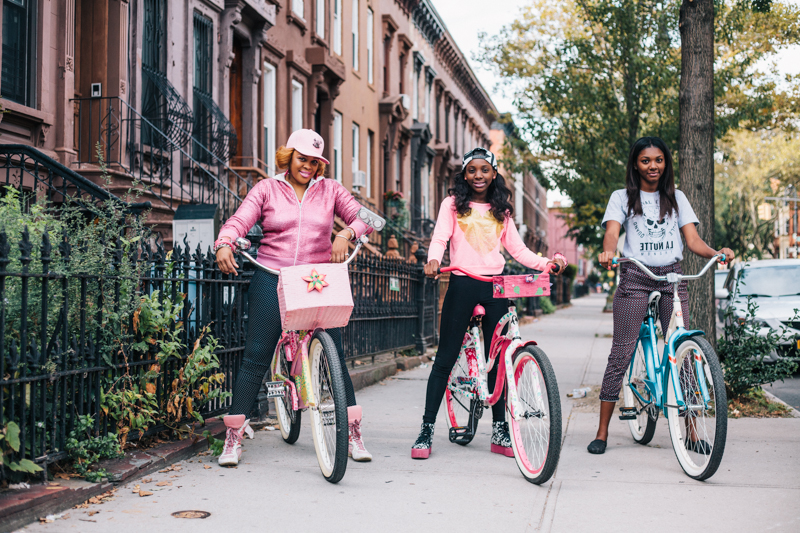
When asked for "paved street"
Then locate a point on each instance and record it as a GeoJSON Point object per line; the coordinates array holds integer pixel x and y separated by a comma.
{"type": "Point", "coordinates": [468, 489]}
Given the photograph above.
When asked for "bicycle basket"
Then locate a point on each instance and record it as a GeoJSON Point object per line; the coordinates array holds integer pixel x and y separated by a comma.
{"type": "Point", "coordinates": [314, 296]}
{"type": "Point", "coordinates": [521, 286]}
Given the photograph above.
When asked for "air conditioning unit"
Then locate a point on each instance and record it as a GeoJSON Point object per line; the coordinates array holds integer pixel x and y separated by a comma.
{"type": "Point", "coordinates": [359, 179]}
{"type": "Point", "coordinates": [406, 101]}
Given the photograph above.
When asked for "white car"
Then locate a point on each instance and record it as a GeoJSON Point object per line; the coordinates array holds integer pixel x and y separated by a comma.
{"type": "Point", "coordinates": [774, 285]}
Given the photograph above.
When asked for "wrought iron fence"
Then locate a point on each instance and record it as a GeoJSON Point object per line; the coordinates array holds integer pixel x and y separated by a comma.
{"type": "Point", "coordinates": [57, 360]}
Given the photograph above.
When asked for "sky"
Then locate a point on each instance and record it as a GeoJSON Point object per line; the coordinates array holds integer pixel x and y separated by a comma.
{"type": "Point", "coordinates": [465, 24]}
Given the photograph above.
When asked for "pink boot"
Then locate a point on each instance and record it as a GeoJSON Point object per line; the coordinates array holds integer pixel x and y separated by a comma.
{"type": "Point", "coordinates": [356, 449]}
{"type": "Point", "coordinates": [237, 426]}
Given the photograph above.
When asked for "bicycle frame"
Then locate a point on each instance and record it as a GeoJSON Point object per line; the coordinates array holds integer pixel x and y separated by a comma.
{"type": "Point", "coordinates": [656, 381]}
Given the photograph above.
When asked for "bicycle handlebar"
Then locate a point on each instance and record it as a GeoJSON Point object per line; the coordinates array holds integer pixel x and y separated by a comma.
{"type": "Point", "coordinates": [243, 245]}
{"type": "Point", "coordinates": [478, 276]}
{"type": "Point", "coordinates": [617, 260]}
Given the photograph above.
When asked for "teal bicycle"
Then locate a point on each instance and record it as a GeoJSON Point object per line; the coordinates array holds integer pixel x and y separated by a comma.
{"type": "Point", "coordinates": [686, 384]}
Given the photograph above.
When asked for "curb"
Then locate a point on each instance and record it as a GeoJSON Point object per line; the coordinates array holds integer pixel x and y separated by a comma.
{"type": "Point", "coordinates": [795, 413]}
{"type": "Point", "coordinates": [20, 508]}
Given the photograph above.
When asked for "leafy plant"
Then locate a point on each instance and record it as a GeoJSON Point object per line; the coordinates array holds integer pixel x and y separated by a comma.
{"type": "Point", "coordinates": [133, 408]}
{"type": "Point", "coordinates": [547, 305]}
{"type": "Point", "coordinates": [86, 449]}
{"type": "Point", "coordinates": [215, 445]}
{"type": "Point", "coordinates": [743, 351]}
{"type": "Point", "coordinates": [9, 444]}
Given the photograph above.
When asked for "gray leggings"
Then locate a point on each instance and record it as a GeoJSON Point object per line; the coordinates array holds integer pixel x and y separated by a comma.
{"type": "Point", "coordinates": [263, 334]}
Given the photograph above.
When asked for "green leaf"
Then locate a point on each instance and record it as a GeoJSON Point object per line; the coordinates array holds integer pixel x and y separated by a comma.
{"type": "Point", "coordinates": [12, 435]}
{"type": "Point", "coordinates": [26, 465]}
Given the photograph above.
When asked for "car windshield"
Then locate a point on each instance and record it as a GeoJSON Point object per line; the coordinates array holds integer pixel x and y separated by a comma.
{"type": "Point", "coordinates": [719, 279]}
{"type": "Point", "coordinates": [770, 281]}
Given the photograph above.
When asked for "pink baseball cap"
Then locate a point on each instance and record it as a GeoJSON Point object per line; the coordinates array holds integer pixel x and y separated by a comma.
{"type": "Point", "coordinates": [308, 142]}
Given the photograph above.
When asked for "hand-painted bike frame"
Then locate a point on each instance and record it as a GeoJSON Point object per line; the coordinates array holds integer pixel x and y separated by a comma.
{"type": "Point", "coordinates": [656, 381]}
{"type": "Point", "coordinates": [479, 368]}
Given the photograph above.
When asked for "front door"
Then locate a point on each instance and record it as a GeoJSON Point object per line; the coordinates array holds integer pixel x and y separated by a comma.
{"type": "Point", "coordinates": [236, 95]}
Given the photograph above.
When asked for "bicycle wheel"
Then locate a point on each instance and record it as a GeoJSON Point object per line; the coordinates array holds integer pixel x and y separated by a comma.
{"type": "Point", "coordinates": [329, 418]}
{"type": "Point", "coordinates": [536, 437]}
{"type": "Point", "coordinates": [461, 400]}
{"type": "Point", "coordinates": [288, 418]}
{"type": "Point", "coordinates": [698, 433]}
{"type": "Point", "coordinates": [644, 426]}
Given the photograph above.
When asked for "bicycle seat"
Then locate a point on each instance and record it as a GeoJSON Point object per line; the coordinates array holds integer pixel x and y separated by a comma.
{"type": "Point", "coordinates": [655, 296]}
{"type": "Point", "coordinates": [478, 311]}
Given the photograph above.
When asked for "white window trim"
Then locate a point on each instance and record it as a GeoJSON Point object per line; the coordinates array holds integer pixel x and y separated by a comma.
{"type": "Point", "coordinates": [297, 110]}
{"type": "Point", "coordinates": [356, 147]}
{"type": "Point", "coordinates": [370, 142]}
{"type": "Point", "coordinates": [337, 27]}
{"type": "Point", "coordinates": [298, 8]}
{"type": "Point", "coordinates": [270, 73]}
{"type": "Point", "coordinates": [320, 22]}
{"type": "Point", "coordinates": [415, 94]}
{"type": "Point", "coordinates": [337, 146]}
{"type": "Point", "coordinates": [354, 31]}
{"type": "Point", "coordinates": [370, 45]}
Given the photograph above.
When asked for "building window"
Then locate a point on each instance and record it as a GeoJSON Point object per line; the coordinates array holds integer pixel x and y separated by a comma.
{"type": "Point", "coordinates": [446, 123]}
{"type": "Point", "coordinates": [370, 50]}
{"type": "Point", "coordinates": [428, 100]}
{"type": "Point", "coordinates": [438, 116]}
{"type": "Point", "coordinates": [298, 7]}
{"type": "Point", "coordinates": [320, 26]}
{"type": "Point", "coordinates": [154, 43]}
{"type": "Point", "coordinates": [418, 62]}
{"type": "Point", "coordinates": [337, 146]}
{"type": "Point", "coordinates": [356, 135]}
{"type": "Point", "coordinates": [337, 27]}
{"type": "Point", "coordinates": [297, 105]}
{"type": "Point", "coordinates": [401, 77]}
{"type": "Point", "coordinates": [398, 170]}
{"type": "Point", "coordinates": [370, 144]}
{"type": "Point", "coordinates": [203, 46]}
{"type": "Point", "coordinates": [19, 52]}
{"type": "Point", "coordinates": [425, 186]}
{"type": "Point", "coordinates": [355, 34]}
{"type": "Point", "coordinates": [269, 118]}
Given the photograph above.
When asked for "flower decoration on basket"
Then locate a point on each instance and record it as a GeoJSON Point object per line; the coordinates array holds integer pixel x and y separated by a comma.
{"type": "Point", "coordinates": [316, 281]}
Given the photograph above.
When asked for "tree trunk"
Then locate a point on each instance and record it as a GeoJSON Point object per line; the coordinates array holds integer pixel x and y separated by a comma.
{"type": "Point", "coordinates": [696, 147]}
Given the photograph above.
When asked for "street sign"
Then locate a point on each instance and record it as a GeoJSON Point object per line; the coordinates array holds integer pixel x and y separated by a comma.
{"type": "Point", "coordinates": [394, 284]}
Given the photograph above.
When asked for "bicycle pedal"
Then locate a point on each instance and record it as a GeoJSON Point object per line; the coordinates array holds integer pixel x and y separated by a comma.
{"type": "Point", "coordinates": [459, 434]}
{"type": "Point", "coordinates": [275, 389]}
{"type": "Point", "coordinates": [628, 413]}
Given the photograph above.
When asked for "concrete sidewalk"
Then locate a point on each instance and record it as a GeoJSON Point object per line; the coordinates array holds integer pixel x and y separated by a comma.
{"type": "Point", "coordinates": [469, 489]}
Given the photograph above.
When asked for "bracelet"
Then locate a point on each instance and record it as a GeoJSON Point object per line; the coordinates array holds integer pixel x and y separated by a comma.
{"type": "Point", "coordinates": [352, 233]}
{"type": "Point", "coordinates": [222, 244]}
{"type": "Point", "coordinates": [343, 237]}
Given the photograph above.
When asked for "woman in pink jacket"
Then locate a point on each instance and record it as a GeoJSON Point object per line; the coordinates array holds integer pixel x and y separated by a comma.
{"type": "Point", "coordinates": [296, 210]}
{"type": "Point", "coordinates": [476, 219]}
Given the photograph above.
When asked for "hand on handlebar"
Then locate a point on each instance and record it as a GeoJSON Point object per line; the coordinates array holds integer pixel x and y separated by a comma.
{"type": "Point", "coordinates": [226, 262]}
{"type": "Point", "coordinates": [432, 269]}
{"type": "Point", "coordinates": [340, 247]}
{"type": "Point", "coordinates": [605, 260]}
{"type": "Point", "coordinates": [727, 256]}
{"type": "Point", "coordinates": [558, 266]}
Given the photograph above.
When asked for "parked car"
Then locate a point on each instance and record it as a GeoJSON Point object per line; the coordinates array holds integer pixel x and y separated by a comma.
{"type": "Point", "coordinates": [774, 285]}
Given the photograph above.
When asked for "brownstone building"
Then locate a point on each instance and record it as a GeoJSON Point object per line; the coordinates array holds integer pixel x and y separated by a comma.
{"type": "Point", "coordinates": [189, 99]}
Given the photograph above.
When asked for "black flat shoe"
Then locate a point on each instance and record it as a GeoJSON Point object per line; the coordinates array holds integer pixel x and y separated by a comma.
{"type": "Point", "coordinates": [698, 446]}
{"type": "Point", "coordinates": [597, 447]}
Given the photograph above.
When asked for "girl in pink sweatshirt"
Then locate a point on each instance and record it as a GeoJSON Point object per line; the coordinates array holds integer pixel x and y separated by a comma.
{"type": "Point", "coordinates": [295, 210]}
{"type": "Point", "coordinates": [476, 219]}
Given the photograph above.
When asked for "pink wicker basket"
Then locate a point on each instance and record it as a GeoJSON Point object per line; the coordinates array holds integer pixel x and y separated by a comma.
{"type": "Point", "coordinates": [521, 286]}
{"type": "Point", "coordinates": [314, 296]}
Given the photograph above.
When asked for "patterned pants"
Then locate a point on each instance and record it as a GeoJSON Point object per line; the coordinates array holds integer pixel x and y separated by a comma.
{"type": "Point", "coordinates": [630, 306]}
{"type": "Point", "coordinates": [263, 334]}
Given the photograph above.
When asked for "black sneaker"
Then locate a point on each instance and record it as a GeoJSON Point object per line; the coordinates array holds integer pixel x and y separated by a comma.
{"type": "Point", "coordinates": [422, 447]}
{"type": "Point", "coordinates": [501, 439]}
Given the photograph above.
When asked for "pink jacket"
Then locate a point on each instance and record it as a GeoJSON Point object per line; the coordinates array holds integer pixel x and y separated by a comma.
{"type": "Point", "coordinates": [295, 233]}
{"type": "Point", "coordinates": [475, 240]}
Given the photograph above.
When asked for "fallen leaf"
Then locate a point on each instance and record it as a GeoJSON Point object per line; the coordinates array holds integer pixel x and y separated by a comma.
{"type": "Point", "coordinates": [164, 484]}
{"type": "Point", "coordinates": [207, 467]}
{"type": "Point", "coordinates": [147, 480]}
{"type": "Point", "coordinates": [135, 488]}
{"type": "Point", "coordinates": [92, 513]}
{"type": "Point", "coordinates": [143, 493]}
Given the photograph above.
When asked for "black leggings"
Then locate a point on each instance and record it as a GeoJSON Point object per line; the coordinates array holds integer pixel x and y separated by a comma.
{"type": "Point", "coordinates": [463, 294]}
{"type": "Point", "coordinates": [263, 334]}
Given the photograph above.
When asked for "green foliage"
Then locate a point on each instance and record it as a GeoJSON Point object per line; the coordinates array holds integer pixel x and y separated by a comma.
{"type": "Point", "coordinates": [743, 352]}
{"type": "Point", "coordinates": [9, 444]}
{"type": "Point", "coordinates": [214, 445]}
{"type": "Point", "coordinates": [591, 76]}
{"type": "Point", "coordinates": [86, 449]}
{"type": "Point", "coordinates": [547, 305]}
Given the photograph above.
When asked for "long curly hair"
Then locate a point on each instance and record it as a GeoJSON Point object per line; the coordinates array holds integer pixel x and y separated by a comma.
{"type": "Point", "coordinates": [497, 195]}
{"type": "Point", "coordinates": [666, 184]}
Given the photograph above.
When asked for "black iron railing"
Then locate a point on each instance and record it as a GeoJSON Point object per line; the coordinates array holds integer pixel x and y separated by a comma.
{"type": "Point", "coordinates": [167, 169]}
{"type": "Point", "coordinates": [56, 362]}
{"type": "Point", "coordinates": [406, 240]}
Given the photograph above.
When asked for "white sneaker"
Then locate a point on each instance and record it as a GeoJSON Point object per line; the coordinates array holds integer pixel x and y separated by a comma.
{"type": "Point", "coordinates": [232, 450]}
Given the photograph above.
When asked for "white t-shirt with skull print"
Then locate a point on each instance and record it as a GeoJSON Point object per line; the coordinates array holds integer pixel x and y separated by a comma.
{"type": "Point", "coordinates": [652, 241]}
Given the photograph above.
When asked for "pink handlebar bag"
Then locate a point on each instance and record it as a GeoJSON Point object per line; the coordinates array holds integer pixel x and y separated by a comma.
{"type": "Point", "coordinates": [521, 286]}
{"type": "Point", "coordinates": [314, 296]}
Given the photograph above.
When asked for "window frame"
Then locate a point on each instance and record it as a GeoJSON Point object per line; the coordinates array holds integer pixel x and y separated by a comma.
{"type": "Point", "coordinates": [297, 110]}
{"type": "Point", "coordinates": [27, 94]}
{"type": "Point", "coordinates": [270, 108]}
{"type": "Point", "coordinates": [338, 122]}
{"type": "Point", "coordinates": [354, 33]}
{"type": "Point", "coordinates": [299, 4]}
{"type": "Point", "coordinates": [319, 26]}
{"type": "Point", "coordinates": [370, 46]}
{"type": "Point", "coordinates": [337, 27]}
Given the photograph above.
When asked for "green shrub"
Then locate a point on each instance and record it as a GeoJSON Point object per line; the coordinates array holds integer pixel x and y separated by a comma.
{"type": "Point", "coordinates": [86, 449]}
{"type": "Point", "coordinates": [547, 305]}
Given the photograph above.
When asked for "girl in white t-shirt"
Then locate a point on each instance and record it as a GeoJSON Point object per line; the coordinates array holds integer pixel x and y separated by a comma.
{"type": "Point", "coordinates": [654, 216]}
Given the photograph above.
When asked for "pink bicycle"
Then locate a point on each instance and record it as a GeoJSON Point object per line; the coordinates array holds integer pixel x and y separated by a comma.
{"type": "Point", "coordinates": [524, 375]}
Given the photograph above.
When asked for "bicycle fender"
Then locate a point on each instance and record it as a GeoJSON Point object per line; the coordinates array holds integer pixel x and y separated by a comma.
{"type": "Point", "coordinates": [681, 335]}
